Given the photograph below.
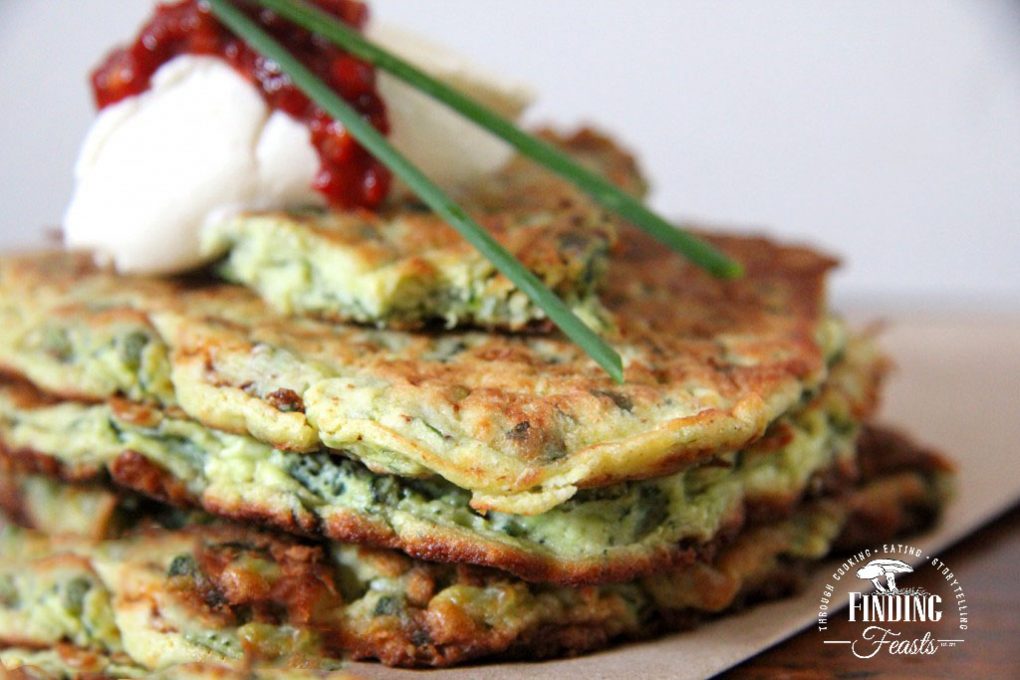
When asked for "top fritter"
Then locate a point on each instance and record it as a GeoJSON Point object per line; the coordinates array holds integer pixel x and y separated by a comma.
{"type": "Point", "coordinates": [405, 266]}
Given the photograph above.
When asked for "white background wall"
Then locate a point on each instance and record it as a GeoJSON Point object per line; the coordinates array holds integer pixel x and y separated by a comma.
{"type": "Point", "coordinates": [886, 131]}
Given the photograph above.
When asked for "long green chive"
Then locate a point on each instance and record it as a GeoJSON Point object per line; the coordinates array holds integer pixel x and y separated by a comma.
{"type": "Point", "coordinates": [697, 251]}
{"type": "Point", "coordinates": [431, 194]}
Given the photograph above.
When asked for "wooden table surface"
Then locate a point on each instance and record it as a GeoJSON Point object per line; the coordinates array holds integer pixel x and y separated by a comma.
{"type": "Point", "coordinates": [988, 567]}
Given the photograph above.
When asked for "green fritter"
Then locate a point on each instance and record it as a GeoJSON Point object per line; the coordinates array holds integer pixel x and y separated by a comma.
{"type": "Point", "coordinates": [521, 422]}
{"type": "Point", "coordinates": [64, 662]}
{"type": "Point", "coordinates": [606, 533]}
{"type": "Point", "coordinates": [217, 593]}
{"type": "Point", "coordinates": [70, 663]}
{"type": "Point", "coordinates": [406, 266]}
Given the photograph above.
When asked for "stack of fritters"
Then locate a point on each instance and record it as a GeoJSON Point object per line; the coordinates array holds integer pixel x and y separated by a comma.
{"type": "Point", "coordinates": [374, 447]}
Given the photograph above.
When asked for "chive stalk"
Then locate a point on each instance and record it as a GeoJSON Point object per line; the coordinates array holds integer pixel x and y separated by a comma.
{"type": "Point", "coordinates": [376, 144]}
{"type": "Point", "coordinates": [604, 192]}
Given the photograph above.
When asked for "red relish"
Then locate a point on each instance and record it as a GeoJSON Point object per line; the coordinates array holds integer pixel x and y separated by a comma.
{"type": "Point", "coordinates": [348, 176]}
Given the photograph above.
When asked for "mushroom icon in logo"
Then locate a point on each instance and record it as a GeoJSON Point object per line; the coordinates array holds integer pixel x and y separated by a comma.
{"type": "Point", "coordinates": [875, 570]}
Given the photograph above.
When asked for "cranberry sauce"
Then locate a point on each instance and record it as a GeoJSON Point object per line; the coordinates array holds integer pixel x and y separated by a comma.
{"type": "Point", "coordinates": [348, 176]}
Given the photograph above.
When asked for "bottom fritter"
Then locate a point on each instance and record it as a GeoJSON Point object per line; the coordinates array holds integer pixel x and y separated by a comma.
{"type": "Point", "coordinates": [171, 588]}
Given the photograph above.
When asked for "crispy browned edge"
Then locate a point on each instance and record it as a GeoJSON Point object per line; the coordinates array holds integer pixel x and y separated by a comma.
{"type": "Point", "coordinates": [885, 454]}
{"type": "Point", "coordinates": [887, 451]}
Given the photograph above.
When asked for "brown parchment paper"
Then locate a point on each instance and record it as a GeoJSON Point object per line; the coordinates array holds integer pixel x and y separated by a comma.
{"type": "Point", "coordinates": [957, 385]}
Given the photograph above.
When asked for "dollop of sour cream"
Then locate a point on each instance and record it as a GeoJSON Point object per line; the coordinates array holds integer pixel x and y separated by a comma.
{"type": "Point", "coordinates": [201, 145]}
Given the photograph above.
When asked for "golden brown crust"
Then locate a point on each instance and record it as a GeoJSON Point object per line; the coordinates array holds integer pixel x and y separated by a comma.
{"type": "Point", "coordinates": [12, 501]}
{"type": "Point", "coordinates": [134, 471]}
{"type": "Point", "coordinates": [290, 582]}
{"type": "Point", "coordinates": [524, 421]}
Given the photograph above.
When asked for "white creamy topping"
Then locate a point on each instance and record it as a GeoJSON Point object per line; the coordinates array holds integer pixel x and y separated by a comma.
{"type": "Point", "coordinates": [198, 145]}
{"type": "Point", "coordinates": [201, 145]}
